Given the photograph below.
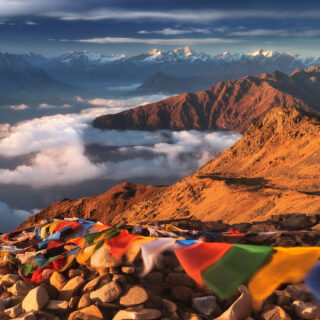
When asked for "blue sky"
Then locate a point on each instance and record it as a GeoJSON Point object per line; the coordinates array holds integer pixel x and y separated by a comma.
{"type": "Point", "coordinates": [127, 26]}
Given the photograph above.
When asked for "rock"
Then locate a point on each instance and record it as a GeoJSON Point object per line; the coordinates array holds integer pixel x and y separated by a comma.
{"type": "Point", "coordinates": [135, 295]}
{"type": "Point", "coordinates": [240, 309]}
{"type": "Point", "coordinates": [15, 311]}
{"type": "Point", "coordinates": [276, 313]}
{"type": "Point", "coordinates": [143, 314]}
{"type": "Point", "coordinates": [155, 277]}
{"type": "Point", "coordinates": [89, 313]}
{"type": "Point", "coordinates": [120, 278]}
{"type": "Point", "coordinates": [102, 259]}
{"type": "Point", "coordinates": [106, 293]}
{"type": "Point", "coordinates": [28, 316]}
{"type": "Point", "coordinates": [73, 303]}
{"type": "Point", "coordinates": [191, 316]}
{"type": "Point", "coordinates": [298, 292]}
{"type": "Point", "coordinates": [182, 293]}
{"type": "Point", "coordinates": [35, 300]}
{"type": "Point", "coordinates": [42, 315]}
{"type": "Point", "coordinates": [21, 288]}
{"type": "Point", "coordinates": [9, 279]}
{"type": "Point", "coordinates": [306, 310]}
{"type": "Point", "coordinates": [57, 305]}
{"type": "Point", "coordinates": [282, 297]}
{"type": "Point", "coordinates": [71, 288]}
{"type": "Point", "coordinates": [179, 279]}
{"type": "Point", "coordinates": [6, 267]}
{"type": "Point", "coordinates": [128, 269]}
{"type": "Point", "coordinates": [205, 305]}
{"type": "Point", "coordinates": [169, 306]}
{"type": "Point", "coordinates": [296, 222]}
{"type": "Point", "coordinates": [84, 301]}
{"type": "Point", "coordinates": [74, 273]}
{"type": "Point", "coordinates": [52, 292]}
{"type": "Point", "coordinates": [58, 280]}
{"type": "Point", "coordinates": [92, 284]}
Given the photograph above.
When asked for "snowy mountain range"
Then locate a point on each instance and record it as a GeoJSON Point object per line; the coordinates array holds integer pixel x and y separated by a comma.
{"type": "Point", "coordinates": [185, 54]}
{"type": "Point", "coordinates": [159, 71]}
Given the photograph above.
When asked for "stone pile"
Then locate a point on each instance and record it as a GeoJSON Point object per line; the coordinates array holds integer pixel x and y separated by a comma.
{"type": "Point", "coordinates": [118, 292]}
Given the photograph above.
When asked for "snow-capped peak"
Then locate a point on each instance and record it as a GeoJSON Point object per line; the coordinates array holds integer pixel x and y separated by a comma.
{"type": "Point", "coordinates": [185, 51]}
{"type": "Point", "coordinates": [262, 52]}
{"type": "Point", "coordinates": [223, 54]}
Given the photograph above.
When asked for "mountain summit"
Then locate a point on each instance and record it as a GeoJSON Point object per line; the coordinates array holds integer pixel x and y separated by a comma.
{"type": "Point", "coordinates": [230, 105]}
{"type": "Point", "coordinates": [273, 169]}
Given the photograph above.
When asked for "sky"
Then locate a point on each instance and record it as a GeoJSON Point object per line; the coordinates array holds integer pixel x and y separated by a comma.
{"type": "Point", "coordinates": [133, 26]}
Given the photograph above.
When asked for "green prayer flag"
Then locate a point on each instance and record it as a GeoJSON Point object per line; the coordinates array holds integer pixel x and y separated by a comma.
{"type": "Point", "coordinates": [235, 268]}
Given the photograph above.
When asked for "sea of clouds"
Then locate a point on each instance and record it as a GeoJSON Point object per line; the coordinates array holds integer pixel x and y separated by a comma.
{"type": "Point", "coordinates": [51, 151]}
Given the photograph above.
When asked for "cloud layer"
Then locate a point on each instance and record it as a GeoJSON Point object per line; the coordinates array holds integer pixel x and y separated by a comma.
{"type": "Point", "coordinates": [55, 148]}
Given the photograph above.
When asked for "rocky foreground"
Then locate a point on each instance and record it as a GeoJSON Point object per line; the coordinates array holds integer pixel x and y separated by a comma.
{"type": "Point", "coordinates": [117, 291]}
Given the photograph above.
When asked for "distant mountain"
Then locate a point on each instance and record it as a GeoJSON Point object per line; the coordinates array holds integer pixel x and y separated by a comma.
{"type": "Point", "coordinates": [18, 78]}
{"type": "Point", "coordinates": [230, 105]}
{"type": "Point", "coordinates": [273, 169]}
{"type": "Point", "coordinates": [97, 71]}
{"type": "Point", "coordinates": [168, 84]}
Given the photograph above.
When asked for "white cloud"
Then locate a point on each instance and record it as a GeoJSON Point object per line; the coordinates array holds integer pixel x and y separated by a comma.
{"type": "Point", "coordinates": [55, 146]}
{"type": "Point", "coordinates": [276, 32]}
{"type": "Point", "coordinates": [193, 16]}
{"type": "Point", "coordinates": [20, 107]}
{"type": "Point", "coordinates": [11, 218]}
{"type": "Point", "coordinates": [178, 41]}
{"type": "Point", "coordinates": [173, 32]}
{"type": "Point", "coordinates": [30, 23]}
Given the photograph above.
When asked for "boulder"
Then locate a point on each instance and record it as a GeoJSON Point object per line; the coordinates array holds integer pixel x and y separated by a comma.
{"type": "Point", "coordinates": [182, 293]}
{"type": "Point", "coordinates": [71, 288]}
{"type": "Point", "coordinates": [58, 280]}
{"type": "Point", "coordinates": [276, 313]}
{"type": "Point", "coordinates": [306, 310]}
{"type": "Point", "coordinates": [84, 301]}
{"type": "Point", "coordinates": [169, 306]}
{"type": "Point", "coordinates": [298, 292]}
{"type": "Point", "coordinates": [57, 305]}
{"type": "Point", "coordinates": [106, 293]}
{"type": "Point", "coordinates": [134, 296]}
{"type": "Point", "coordinates": [9, 279]}
{"type": "Point", "coordinates": [128, 269]}
{"type": "Point", "coordinates": [92, 284]}
{"type": "Point", "coordinates": [21, 288]}
{"type": "Point", "coordinates": [102, 259]}
{"type": "Point", "coordinates": [15, 311]}
{"type": "Point", "coordinates": [179, 279]}
{"type": "Point", "coordinates": [89, 313]}
{"type": "Point", "coordinates": [142, 314]}
{"type": "Point", "coordinates": [35, 300]}
{"type": "Point", "coordinates": [205, 305]}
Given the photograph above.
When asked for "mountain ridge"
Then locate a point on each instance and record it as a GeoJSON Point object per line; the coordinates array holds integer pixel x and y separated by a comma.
{"type": "Point", "coordinates": [272, 170]}
{"type": "Point", "coordinates": [230, 105]}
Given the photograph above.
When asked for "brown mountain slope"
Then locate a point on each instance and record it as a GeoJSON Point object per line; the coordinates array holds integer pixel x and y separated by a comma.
{"type": "Point", "coordinates": [105, 208]}
{"type": "Point", "coordinates": [231, 105]}
{"type": "Point", "coordinates": [274, 169]}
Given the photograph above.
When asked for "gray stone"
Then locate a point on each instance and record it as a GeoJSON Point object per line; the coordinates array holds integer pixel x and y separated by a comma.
{"type": "Point", "coordinates": [92, 284]}
{"type": "Point", "coordinates": [205, 305]}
